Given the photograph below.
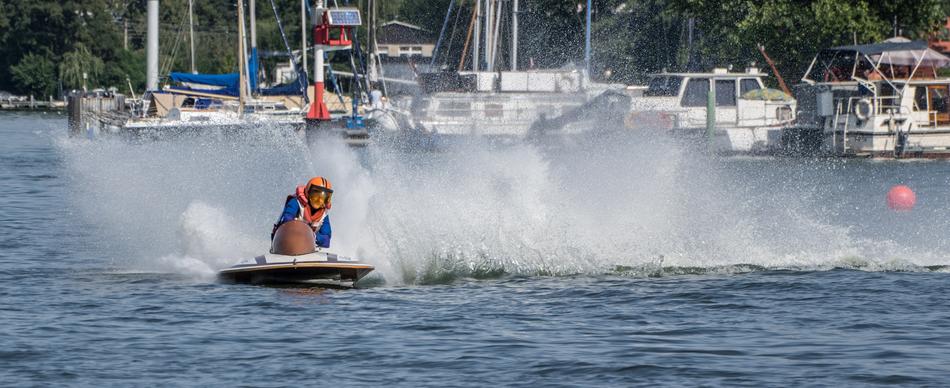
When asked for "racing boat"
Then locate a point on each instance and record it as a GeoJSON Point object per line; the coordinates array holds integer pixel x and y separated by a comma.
{"type": "Point", "coordinates": [294, 258]}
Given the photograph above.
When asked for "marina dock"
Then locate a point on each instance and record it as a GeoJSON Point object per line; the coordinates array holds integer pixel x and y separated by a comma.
{"type": "Point", "coordinates": [30, 103]}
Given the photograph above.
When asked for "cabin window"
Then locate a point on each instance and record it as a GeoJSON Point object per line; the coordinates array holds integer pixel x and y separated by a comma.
{"type": "Point", "coordinates": [410, 50]}
{"type": "Point", "coordinates": [207, 103]}
{"type": "Point", "coordinates": [494, 110]}
{"type": "Point", "coordinates": [920, 99]}
{"type": "Point", "coordinates": [940, 103]}
{"type": "Point", "coordinates": [747, 85]}
{"type": "Point", "coordinates": [726, 92]}
{"type": "Point", "coordinates": [886, 89]}
{"type": "Point", "coordinates": [939, 100]}
{"type": "Point", "coordinates": [455, 109]}
{"type": "Point", "coordinates": [664, 87]}
{"type": "Point", "coordinates": [697, 90]}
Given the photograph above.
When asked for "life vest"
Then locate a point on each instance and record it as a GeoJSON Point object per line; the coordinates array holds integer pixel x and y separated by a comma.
{"type": "Point", "coordinates": [315, 219]}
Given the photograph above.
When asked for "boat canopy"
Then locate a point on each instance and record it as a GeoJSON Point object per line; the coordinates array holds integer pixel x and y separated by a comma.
{"type": "Point", "coordinates": [890, 45]}
{"type": "Point", "coordinates": [901, 52]}
{"type": "Point", "coordinates": [891, 59]}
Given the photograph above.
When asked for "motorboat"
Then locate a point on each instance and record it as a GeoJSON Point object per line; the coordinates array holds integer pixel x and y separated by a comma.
{"type": "Point", "coordinates": [295, 259]}
{"type": "Point", "coordinates": [884, 100]}
{"type": "Point", "coordinates": [749, 118]}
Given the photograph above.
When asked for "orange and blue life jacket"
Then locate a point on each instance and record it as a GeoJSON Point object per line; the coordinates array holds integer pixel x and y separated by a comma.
{"type": "Point", "coordinates": [297, 207]}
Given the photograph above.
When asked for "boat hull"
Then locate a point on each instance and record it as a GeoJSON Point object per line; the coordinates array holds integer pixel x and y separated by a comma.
{"type": "Point", "coordinates": [312, 268]}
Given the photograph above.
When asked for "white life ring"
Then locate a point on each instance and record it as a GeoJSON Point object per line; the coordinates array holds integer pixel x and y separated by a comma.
{"type": "Point", "coordinates": [863, 109]}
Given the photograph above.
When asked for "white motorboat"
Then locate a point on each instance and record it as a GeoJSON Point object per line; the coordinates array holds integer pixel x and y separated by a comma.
{"type": "Point", "coordinates": [749, 119]}
{"type": "Point", "coordinates": [879, 100]}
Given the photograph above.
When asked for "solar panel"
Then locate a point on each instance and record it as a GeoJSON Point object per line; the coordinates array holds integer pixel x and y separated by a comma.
{"type": "Point", "coordinates": [344, 17]}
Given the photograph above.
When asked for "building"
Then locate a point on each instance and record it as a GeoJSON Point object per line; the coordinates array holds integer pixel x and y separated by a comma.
{"type": "Point", "coordinates": [399, 39]}
{"type": "Point", "coordinates": [941, 40]}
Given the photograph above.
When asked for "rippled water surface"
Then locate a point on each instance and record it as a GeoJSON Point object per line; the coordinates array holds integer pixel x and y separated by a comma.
{"type": "Point", "coordinates": [580, 264]}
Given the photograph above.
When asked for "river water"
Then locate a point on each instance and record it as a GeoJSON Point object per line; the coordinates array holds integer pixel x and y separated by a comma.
{"type": "Point", "coordinates": [608, 261]}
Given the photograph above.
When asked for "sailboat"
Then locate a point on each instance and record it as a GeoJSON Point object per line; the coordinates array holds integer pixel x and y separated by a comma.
{"type": "Point", "coordinates": [483, 99]}
{"type": "Point", "coordinates": [229, 101]}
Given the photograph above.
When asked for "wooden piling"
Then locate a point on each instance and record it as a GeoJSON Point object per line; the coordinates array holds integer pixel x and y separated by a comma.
{"type": "Point", "coordinates": [74, 107]}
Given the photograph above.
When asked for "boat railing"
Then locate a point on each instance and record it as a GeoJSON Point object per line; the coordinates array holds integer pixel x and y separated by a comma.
{"type": "Point", "coordinates": [847, 107]}
{"type": "Point", "coordinates": [879, 105]}
{"type": "Point", "coordinates": [933, 120]}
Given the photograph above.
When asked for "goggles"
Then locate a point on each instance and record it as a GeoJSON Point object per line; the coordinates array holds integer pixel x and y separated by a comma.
{"type": "Point", "coordinates": [319, 197]}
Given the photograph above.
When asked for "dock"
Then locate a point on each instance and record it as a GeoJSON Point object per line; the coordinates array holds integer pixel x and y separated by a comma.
{"type": "Point", "coordinates": [96, 111]}
{"type": "Point", "coordinates": [30, 103]}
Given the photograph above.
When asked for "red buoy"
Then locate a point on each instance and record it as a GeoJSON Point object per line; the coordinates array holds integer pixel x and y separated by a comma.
{"type": "Point", "coordinates": [901, 198]}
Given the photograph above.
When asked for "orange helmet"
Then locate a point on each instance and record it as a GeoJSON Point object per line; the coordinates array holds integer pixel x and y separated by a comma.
{"type": "Point", "coordinates": [319, 191]}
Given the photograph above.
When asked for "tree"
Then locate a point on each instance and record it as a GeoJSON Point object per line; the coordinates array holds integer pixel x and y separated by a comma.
{"type": "Point", "coordinates": [34, 74]}
{"type": "Point", "coordinates": [79, 65]}
{"type": "Point", "coordinates": [127, 68]}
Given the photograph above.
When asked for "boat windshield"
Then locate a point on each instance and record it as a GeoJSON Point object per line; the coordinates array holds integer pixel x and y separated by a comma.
{"type": "Point", "coordinates": [664, 86]}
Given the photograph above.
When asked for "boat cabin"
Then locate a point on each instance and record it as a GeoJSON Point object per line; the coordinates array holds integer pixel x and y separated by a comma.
{"type": "Point", "coordinates": [740, 98]}
{"type": "Point", "coordinates": [884, 99]}
{"type": "Point", "coordinates": [749, 116]}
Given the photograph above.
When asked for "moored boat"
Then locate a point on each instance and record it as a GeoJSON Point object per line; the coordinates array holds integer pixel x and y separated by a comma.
{"type": "Point", "coordinates": [749, 118]}
{"type": "Point", "coordinates": [879, 100]}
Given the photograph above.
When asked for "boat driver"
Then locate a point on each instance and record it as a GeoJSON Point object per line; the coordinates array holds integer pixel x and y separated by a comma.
{"type": "Point", "coordinates": [311, 204]}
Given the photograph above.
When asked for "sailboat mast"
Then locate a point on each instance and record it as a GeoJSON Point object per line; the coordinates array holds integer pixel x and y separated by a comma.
{"type": "Point", "coordinates": [489, 9]}
{"type": "Point", "coordinates": [303, 33]}
{"type": "Point", "coordinates": [494, 35]}
{"type": "Point", "coordinates": [242, 59]}
{"type": "Point", "coordinates": [374, 23]}
{"type": "Point", "coordinates": [151, 51]}
{"type": "Point", "coordinates": [514, 35]}
{"type": "Point", "coordinates": [587, 42]}
{"type": "Point", "coordinates": [252, 10]}
{"type": "Point", "coordinates": [475, 42]}
{"type": "Point", "coordinates": [191, 34]}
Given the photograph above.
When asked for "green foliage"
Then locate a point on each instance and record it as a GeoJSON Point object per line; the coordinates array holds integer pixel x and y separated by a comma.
{"type": "Point", "coordinates": [632, 38]}
{"type": "Point", "coordinates": [79, 65]}
{"type": "Point", "coordinates": [45, 44]}
{"type": "Point", "coordinates": [427, 14]}
{"type": "Point", "coordinates": [35, 74]}
{"type": "Point", "coordinates": [127, 68]}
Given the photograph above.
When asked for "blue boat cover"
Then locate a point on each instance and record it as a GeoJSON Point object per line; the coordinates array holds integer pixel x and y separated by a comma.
{"type": "Point", "coordinates": [227, 84]}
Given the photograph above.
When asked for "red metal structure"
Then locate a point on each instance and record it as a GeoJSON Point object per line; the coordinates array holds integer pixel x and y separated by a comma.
{"type": "Point", "coordinates": [333, 29]}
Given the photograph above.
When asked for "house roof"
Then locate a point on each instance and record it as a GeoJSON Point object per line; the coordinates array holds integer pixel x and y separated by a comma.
{"type": "Point", "coordinates": [396, 32]}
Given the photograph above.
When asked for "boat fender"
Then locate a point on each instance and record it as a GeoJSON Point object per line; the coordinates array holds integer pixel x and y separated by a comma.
{"type": "Point", "coordinates": [863, 109]}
